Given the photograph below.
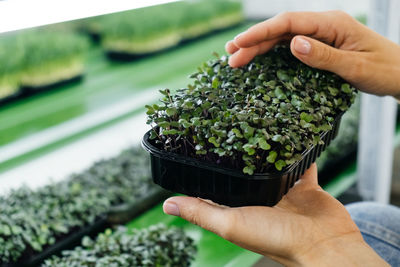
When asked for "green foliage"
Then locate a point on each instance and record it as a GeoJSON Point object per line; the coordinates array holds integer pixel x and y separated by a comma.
{"type": "Point", "coordinates": [139, 23]}
{"type": "Point", "coordinates": [11, 64]}
{"type": "Point", "coordinates": [34, 219]}
{"type": "Point", "coordinates": [10, 54]}
{"type": "Point", "coordinates": [362, 18]}
{"type": "Point", "coordinates": [44, 46]}
{"type": "Point", "coordinates": [161, 26]}
{"type": "Point", "coordinates": [258, 118]}
{"type": "Point", "coordinates": [38, 51]}
{"type": "Point", "coordinates": [154, 246]}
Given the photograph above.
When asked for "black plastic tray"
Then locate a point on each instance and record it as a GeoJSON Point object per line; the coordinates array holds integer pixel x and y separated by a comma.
{"type": "Point", "coordinates": [123, 213]}
{"type": "Point", "coordinates": [124, 56]}
{"type": "Point", "coordinates": [29, 90]}
{"type": "Point", "coordinates": [11, 98]}
{"type": "Point", "coordinates": [69, 241]}
{"type": "Point", "coordinates": [229, 187]}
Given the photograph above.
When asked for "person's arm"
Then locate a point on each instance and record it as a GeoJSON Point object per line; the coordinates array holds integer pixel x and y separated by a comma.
{"type": "Point", "coordinates": [332, 41]}
{"type": "Point", "coordinates": [308, 227]}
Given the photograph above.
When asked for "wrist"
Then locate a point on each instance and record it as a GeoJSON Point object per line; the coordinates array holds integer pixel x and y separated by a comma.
{"type": "Point", "coordinates": [350, 250]}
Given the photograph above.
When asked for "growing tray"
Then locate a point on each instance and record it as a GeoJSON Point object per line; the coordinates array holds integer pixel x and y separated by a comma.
{"type": "Point", "coordinates": [124, 213]}
{"type": "Point", "coordinates": [11, 98]}
{"type": "Point", "coordinates": [31, 258]}
{"type": "Point", "coordinates": [29, 90]}
{"type": "Point", "coordinates": [26, 91]}
{"type": "Point", "coordinates": [230, 187]}
{"type": "Point", "coordinates": [123, 56]}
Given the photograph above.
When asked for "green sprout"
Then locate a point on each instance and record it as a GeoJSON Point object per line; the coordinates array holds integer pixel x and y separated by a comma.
{"type": "Point", "coordinates": [31, 220]}
{"type": "Point", "coordinates": [154, 246]}
{"type": "Point", "coordinates": [259, 118]}
{"type": "Point", "coordinates": [151, 29]}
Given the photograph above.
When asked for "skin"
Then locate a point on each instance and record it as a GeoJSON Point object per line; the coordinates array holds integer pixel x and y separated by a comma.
{"type": "Point", "coordinates": [308, 227]}
{"type": "Point", "coordinates": [337, 43]}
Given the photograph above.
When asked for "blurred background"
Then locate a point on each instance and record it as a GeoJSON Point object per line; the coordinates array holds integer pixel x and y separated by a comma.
{"type": "Point", "coordinates": [72, 93]}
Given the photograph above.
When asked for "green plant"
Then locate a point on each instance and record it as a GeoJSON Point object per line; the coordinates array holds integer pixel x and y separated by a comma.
{"type": "Point", "coordinates": [39, 57]}
{"type": "Point", "coordinates": [154, 246]}
{"type": "Point", "coordinates": [140, 30]}
{"type": "Point", "coordinates": [44, 46]}
{"type": "Point", "coordinates": [200, 17]}
{"type": "Point", "coordinates": [140, 23]}
{"type": "Point", "coordinates": [50, 56]}
{"type": "Point", "coordinates": [11, 55]}
{"type": "Point", "coordinates": [31, 220]}
{"type": "Point", "coordinates": [154, 28]}
{"type": "Point", "coordinates": [227, 13]}
{"type": "Point", "coordinates": [257, 118]}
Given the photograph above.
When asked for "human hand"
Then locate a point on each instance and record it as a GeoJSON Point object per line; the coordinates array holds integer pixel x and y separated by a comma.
{"type": "Point", "coordinates": [332, 41]}
{"type": "Point", "coordinates": [307, 227]}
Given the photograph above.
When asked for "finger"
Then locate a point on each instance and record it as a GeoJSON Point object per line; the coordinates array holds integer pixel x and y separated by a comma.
{"type": "Point", "coordinates": [230, 47]}
{"type": "Point", "coordinates": [204, 214]}
{"type": "Point", "coordinates": [237, 225]}
{"type": "Point", "coordinates": [245, 55]}
{"type": "Point", "coordinates": [315, 24]}
{"type": "Point", "coordinates": [322, 56]}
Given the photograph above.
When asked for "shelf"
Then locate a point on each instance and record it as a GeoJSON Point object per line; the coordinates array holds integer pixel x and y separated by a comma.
{"type": "Point", "coordinates": [39, 134]}
{"type": "Point", "coordinates": [22, 14]}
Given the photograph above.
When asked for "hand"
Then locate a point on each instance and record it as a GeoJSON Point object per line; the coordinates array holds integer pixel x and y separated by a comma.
{"type": "Point", "coordinates": [307, 227]}
{"type": "Point", "coordinates": [332, 41]}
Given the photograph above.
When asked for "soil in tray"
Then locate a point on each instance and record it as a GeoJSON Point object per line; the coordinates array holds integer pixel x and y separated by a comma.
{"type": "Point", "coordinates": [32, 258]}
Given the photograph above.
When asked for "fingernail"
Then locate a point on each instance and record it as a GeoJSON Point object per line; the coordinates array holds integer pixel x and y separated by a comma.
{"type": "Point", "coordinates": [171, 208]}
{"type": "Point", "coordinates": [302, 46]}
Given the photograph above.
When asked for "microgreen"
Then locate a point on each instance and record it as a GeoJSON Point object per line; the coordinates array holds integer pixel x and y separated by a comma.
{"type": "Point", "coordinates": [153, 246]}
{"type": "Point", "coordinates": [34, 53]}
{"type": "Point", "coordinates": [31, 220]}
{"type": "Point", "coordinates": [257, 118]}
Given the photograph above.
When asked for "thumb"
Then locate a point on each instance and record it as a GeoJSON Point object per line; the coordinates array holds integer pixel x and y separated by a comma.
{"type": "Point", "coordinates": [320, 55]}
{"type": "Point", "coordinates": [210, 216]}
{"type": "Point", "coordinates": [310, 176]}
